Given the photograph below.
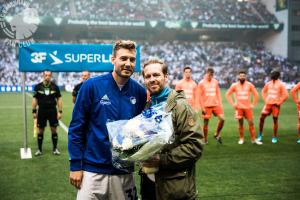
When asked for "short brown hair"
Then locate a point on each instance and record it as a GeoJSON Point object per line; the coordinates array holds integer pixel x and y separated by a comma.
{"type": "Point", "coordinates": [156, 61]}
{"type": "Point", "coordinates": [242, 71]}
{"type": "Point", "coordinates": [275, 74]}
{"type": "Point", "coordinates": [210, 70]}
{"type": "Point", "coordinates": [187, 67]}
{"type": "Point", "coordinates": [123, 44]}
{"type": "Point", "coordinates": [46, 70]}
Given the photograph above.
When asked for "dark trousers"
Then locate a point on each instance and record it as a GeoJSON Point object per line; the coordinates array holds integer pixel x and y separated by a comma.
{"type": "Point", "coordinates": [147, 187]}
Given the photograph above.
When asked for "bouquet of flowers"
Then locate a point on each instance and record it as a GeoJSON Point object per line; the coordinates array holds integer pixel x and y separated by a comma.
{"type": "Point", "coordinates": [141, 137]}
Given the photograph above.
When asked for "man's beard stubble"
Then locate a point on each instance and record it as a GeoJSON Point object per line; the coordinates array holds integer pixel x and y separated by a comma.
{"type": "Point", "coordinates": [242, 81]}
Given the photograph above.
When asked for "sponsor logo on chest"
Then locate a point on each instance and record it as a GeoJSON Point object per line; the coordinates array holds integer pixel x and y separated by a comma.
{"type": "Point", "coordinates": [133, 100]}
{"type": "Point", "coordinates": [105, 100]}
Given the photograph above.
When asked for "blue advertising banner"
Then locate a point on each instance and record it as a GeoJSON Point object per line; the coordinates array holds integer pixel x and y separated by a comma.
{"type": "Point", "coordinates": [68, 58]}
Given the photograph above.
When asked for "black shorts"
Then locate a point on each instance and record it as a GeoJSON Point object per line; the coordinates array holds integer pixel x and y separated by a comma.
{"type": "Point", "coordinates": [47, 114]}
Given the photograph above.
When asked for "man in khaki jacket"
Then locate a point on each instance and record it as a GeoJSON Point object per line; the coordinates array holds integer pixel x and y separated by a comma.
{"type": "Point", "coordinates": [175, 178]}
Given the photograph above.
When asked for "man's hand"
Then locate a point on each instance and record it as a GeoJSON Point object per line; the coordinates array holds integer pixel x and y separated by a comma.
{"type": "Point", "coordinates": [59, 115]}
{"type": "Point", "coordinates": [76, 178]}
{"type": "Point", "coordinates": [152, 162]}
{"type": "Point", "coordinates": [34, 115]}
{"type": "Point", "coordinates": [235, 105]}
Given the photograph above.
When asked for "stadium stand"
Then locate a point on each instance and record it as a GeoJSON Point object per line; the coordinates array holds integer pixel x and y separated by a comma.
{"type": "Point", "coordinates": [227, 58]}
{"type": "Point", "coordinates": [213, 11]}
{"type": "Point", "coordinates": [53, 8]}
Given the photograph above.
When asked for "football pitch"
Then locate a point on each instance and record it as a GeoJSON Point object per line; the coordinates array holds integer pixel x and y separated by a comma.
{"type": "Point", "coordinates": [229, 171]}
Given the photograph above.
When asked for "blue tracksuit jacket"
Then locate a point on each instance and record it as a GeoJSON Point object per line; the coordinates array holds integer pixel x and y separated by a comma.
{"type": "Point", "coordinates": [100, 100]}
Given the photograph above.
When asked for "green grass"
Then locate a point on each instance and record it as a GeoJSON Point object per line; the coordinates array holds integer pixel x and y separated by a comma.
{"type": "Point", "coordinates": [228, 171]}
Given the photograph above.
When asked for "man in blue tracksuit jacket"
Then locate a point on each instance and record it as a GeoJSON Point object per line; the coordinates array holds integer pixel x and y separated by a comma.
{"type": "Point", "coordinates": [110, 97]}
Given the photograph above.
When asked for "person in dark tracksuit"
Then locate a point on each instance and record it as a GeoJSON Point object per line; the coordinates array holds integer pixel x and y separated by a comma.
{"type": "Point", "coordinates": [110, 97]}
{"type": "Point", "coordinates": [85, 76]}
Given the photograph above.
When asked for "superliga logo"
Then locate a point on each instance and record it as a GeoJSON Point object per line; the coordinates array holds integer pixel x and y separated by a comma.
{"type": "Point", "coordinates": [19, 22]}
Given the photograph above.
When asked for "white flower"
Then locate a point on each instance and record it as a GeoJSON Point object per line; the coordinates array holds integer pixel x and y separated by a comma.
{"type": "Point", "coordinates": [127, 144]}
{"type": "Point", "coordinates": [139, 138]}
{"type": "Point", "coordinates": [132, 127]}
{"type": "Point", "coordinates": [140, 133]}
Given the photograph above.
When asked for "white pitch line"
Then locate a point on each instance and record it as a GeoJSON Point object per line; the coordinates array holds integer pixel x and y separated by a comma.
{"type": "Point", "coordinates": [61, 124]}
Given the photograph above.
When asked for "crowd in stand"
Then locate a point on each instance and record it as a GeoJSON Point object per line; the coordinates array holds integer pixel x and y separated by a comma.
{"type": "Point", "coordinates": [120, 10]}
{"type": "Point", "coordinates": [54, 8]}
{"type": "Point", "coordinates": [227, 58]}
{"type": "Point", "coordinates": [225, 11]}
{"type": "Point", "coordinates": [213, 11]}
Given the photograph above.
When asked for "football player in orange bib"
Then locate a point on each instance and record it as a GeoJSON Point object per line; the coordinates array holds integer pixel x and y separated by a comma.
{"type": "Point", "coordinates": [209, 100]}
{"type": "Point", "coordinates": [242, 91]}
{"type": "Point", "coordinates": [274, 94]}
{"type": "Point", "coordinates": [295, 92]}
{"type": "Point", "coordinates": [188, 85]}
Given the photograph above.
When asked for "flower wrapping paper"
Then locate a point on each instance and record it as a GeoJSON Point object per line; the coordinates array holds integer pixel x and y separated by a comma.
{"type": "Point", "coordinates": [141, 137]}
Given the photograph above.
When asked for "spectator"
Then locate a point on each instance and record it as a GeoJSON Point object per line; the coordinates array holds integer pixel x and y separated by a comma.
{"type": "Point", "coordinates": [84, 76]}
